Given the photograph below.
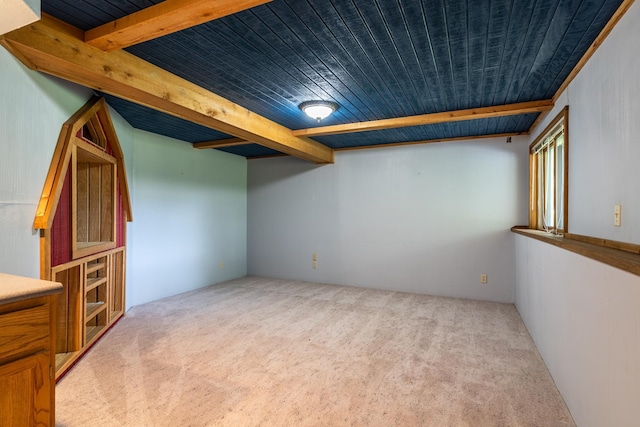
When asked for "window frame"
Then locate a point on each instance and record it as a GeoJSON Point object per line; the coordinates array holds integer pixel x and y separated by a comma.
{"type": "Point", "coordinates": [536, 194]}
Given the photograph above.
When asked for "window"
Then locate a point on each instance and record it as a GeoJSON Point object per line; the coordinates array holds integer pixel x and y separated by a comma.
{"type": "Point", "coordinates": [548, 156]}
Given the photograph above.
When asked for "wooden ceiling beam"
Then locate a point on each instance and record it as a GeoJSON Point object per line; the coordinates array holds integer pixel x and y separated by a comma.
{"type": "Point", "coordinates": [220, 143]}
{"type": "Point", "coordinates": [53, 47]}
{"type": "Point", "coordinates": [432, 118]}
{"type": "Point", "coordinates": [425, 119]}
{"type": "Point", "coordinates": [161, 19]}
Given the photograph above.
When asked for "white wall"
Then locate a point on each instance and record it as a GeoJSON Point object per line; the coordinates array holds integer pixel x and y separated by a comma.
{"type": "Point", "coordinates": [583, 315]}
{"type": "Point", "coordinates": [190, 214]}
{"type": "Point", "coordinates": [33, 108]}
{"type": "Point", "coordinates": [425, 218]}
{"type": "Point", "coordinates": [584, 318]}
{"type": "Point", "coordinates": [189, 206]}
{"type": "Point", "coordinates": [604, 136]}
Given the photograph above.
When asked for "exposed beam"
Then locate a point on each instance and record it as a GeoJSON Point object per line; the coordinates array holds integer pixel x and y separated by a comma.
{"type": "Point", "coordinates": [53, 47]}
{"type": "Point", "coordinates": [428, 119]}
{"type": "Point", "coordinates": [163, 18]}
{"type": "Point", "coordinates": [230, 142]}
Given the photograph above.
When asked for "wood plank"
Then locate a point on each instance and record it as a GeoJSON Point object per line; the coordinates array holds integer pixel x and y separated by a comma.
{"type": "Point", "coordinates": [53, 48]}
{"type": "Point", "coordinates": [107, 204]}
{"type": "Point", "coordinates": [62, 310]}
{"type": "Point", "coordinates": [607, 243]}
{"type": "Point", "coordinates": [112, 137]}
{"type": "Point", "coordinates": [427, 141]}
{"type": "Point", "coordinates": [24, 332]}
{"type": "Point", "coordinates": [590, 248]}
{"type": "Point", "coordinates": [83, 203]}
{"type": "Point", "coordinates": [29, 400]}
{"type": "Point", "coordinates": [229, 142]}
{"type": "Point", "coordinates": [116, 278]}
{"type": "Point", "coordinates": [432, 118]}
{"type": "Point", "coordinates": [162, 19]}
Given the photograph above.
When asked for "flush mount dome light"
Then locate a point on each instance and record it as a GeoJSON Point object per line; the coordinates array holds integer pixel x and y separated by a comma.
{"type": "Point", "coordinates": [318, 109]}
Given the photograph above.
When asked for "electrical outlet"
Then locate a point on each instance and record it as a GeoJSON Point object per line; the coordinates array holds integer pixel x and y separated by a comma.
{"type": "Point", "coordinates": [483, 278]}
{"type": "Point", "coordinates": [315, 265]}
{"type": "Point", "coordinates": [617, 216]}
{"type": "Point", "coordinates": [222, 266]}
{"type": "Point", "coordinates": [314, 257]}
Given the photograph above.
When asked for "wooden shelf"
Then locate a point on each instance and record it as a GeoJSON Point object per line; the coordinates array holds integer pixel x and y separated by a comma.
{"type": "Point", "coordinates": [94, 266]}
{"type": "Point", "coordinates": [624, 256]}
{"type": "Point", "coordinates": [93, 331]}
{"type": "Point", "coordinates": [85, 245]}
{"type": "Point", "coordinates": [94, 282]}
{"type": "Point", "coordinates": [64, 360]}
{"type": "Point", "coordinates": [93, 308]}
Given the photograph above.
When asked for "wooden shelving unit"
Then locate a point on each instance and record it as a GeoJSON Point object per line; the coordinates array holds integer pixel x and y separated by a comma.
{"type": "Point", "coordinates": [93, 300]}
{"type": "Point", "coordinates": [81, 215]}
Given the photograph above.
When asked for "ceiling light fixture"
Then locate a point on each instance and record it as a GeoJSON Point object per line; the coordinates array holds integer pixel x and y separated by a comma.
{"type": "Point", "coordinates": [318, 109]}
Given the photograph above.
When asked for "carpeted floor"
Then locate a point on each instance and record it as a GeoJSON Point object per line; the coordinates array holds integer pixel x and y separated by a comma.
{"type": "Point", "coordinates": [262, 352]}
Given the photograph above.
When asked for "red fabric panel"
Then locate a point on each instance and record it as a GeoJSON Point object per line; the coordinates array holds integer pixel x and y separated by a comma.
{"type": "Point", "coordinates": [61, 228]}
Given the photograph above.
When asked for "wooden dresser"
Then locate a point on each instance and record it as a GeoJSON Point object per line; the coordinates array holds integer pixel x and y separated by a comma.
{"type": "Point", "coordinates": [27, 353]}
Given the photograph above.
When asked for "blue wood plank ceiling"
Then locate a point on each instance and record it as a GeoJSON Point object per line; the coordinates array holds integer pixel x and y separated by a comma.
{"type": "Point", "coordinates": [377, 59]}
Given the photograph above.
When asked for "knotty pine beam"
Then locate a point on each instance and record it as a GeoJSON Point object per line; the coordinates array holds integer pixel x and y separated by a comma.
{"type": "Point", "coordinates": [432, 118]}
{"type": "Point", "coordinates": [54, 47]}
{"type": "Point", "coordinates": [161, 19]}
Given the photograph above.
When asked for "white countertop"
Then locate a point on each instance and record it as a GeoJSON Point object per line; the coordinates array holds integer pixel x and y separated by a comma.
{"type": "Point", "coordinates": [17, 288]}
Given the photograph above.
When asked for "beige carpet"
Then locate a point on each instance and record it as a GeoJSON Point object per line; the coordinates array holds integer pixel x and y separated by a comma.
{"type": "Point", "coordinates": [261, 352]}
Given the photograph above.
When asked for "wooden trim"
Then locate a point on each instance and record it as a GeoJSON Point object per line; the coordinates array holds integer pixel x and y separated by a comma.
{"type": "Point", "coordinates": [565, 183]}
{"type": "Point", "coordinates": [161, 19]}
{"type": "Point", "coordinates": [84, 260]}
{"type": "Point", "coordinates": [624, 7]}
{"type": "Point", "coordinates": [564, 112]}
{"type": "Point", "coordinates": [230, 142]}
{"type": "Point", "coordinates": [589, 247]}
{"type": "Point", "coordinates": [45, 254]}
{"type": "Point", "coordinates": [432, 118]}
{"type": "Point", "coordinates": [533, 171]}
{"type": "Point", "coordinates": [613, 244]}
{"type": "Point", "coordinates": [52, 304]}
{"type": "Point", "coordinates": [107, 125]}
{"type": "Point", "coordinates": [402, 144]}
{"type": "Point", "coordinates": [53, 49]}
{"type": "Point", "coordinates": [52, 188]}
{"type": "Point", "coordinates": [533, 194]}
{"type": "Point", "coordinates": [54, 181]}
{"type": "Point", "coordinates": [426, 141]}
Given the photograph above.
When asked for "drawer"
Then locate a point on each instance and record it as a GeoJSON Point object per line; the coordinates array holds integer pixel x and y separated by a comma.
{"type": "Point", "coordinates": [24, 332]}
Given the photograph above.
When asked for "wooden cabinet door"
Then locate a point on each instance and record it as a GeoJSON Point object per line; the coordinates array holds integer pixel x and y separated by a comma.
{"type": "Point", "coordinates": [26, 390]}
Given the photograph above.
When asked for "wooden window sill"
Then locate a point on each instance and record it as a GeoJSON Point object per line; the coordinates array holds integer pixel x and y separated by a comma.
{"type": "Point", "coordinates": [624, 256]}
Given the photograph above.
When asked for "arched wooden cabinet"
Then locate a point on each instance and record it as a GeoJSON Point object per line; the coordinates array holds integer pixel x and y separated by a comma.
{"type": "Point", "coordinates": [82, 218]}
